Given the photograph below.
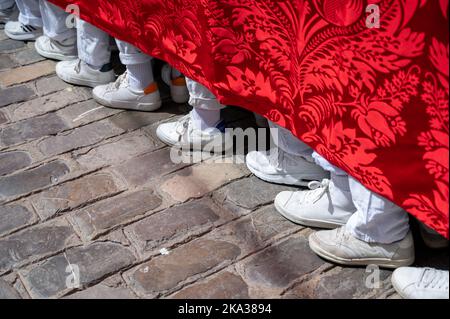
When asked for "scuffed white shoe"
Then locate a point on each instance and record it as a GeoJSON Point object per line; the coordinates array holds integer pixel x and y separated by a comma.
{"type": "Point", "coordinates": [182, 134]}
{"type": "Point", "coordinates": [341, 247]}
{"type": "Point", "coordinates": [8, 14]}
{"type": "Point", "coordinates": [79, 73]}
{"type": "Point", "coordinates": [178, 89]}
{"type": "Point", "coordinates": [22, 32]}
{"type": "Point", "coordinates": [63, 51]}
{"type": "Point", "coordinates": [421, 283]}
{"type": "Point", "coordinates": [279, 167]}
{"type": "Point", "coordinates": [119, 95]}
{"type": "Point", "coordinates": [324, 206]}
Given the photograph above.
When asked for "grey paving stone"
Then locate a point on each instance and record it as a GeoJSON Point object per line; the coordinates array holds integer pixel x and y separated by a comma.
{"type": "Point", "coordinates": [13, 161]}
{"type": "Point", "coordinates": [34, 179]}
{"type": "Point", "coordinates": [30, 129]}
{"type": "Point", "coordinates": [15, 94]}
{"type": "Point", "coordinates": [13, 217]}
{"type": "Point", "coordinates": [100, 217]}
{"type": "Point", "coordinates": [79, 265]}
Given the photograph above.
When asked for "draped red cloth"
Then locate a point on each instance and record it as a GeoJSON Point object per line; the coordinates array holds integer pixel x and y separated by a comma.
{"type": "Point", "coordinates": [373, 101]}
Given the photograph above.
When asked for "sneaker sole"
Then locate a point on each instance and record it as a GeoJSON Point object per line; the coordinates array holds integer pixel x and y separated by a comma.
{"type": "Point", "coordinates": [81, 82]}
{"type": "Point", "coordinates": [382, 262]}
{"type": "Point", "coordinates": [144, 107]}
{"type": "Point", "coordinates": [169, 142]}
{"type": "Point", "coordinates": [25, 37]}
{"type": "Point", "coordinates": [282, 179]}
{"type": "Point", "coordinates": [55, 56]}
{"type": "Point", "coordinates": [316, 223]}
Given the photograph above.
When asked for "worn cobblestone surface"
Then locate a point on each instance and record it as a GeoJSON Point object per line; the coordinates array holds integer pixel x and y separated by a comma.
{"type": "Point", "coordinates": [90, 190]}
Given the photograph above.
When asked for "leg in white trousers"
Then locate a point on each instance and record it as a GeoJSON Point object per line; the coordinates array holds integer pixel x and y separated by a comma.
{"type": "Point", "coordinates": [288, 143]}
{"type": "Point", "coordinates": [30, 12]}
{"type": "Point", "coordinates": [54, 22]}
{"type": "Point", "coordinates": [5, 4]}
{"type": "Point", "coordinates": [376, 220]}
{"type": "Point", "coordinates": [139, 65]}
{"type": "Point", "coordinates": [206, 112]}
{"type": "Point", "coordinates": [93, 45]}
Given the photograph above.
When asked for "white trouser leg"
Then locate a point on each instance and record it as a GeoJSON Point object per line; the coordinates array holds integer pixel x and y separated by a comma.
{"type": "Point", "coordinates": [139, 65]}
{"type": "Point", "coordinates": [5, 4]}
{"type": "Point", "coordinates": [201, 97]}
{"type": "Point", "coordinates": [340, 179]}
{"type": "Point", "coordinates": [54, 21]}
{"type": "Point", "coordinates": [93, 44]}
{"type": "Point", "coordinates": [287, 142]}
{"type": "Point", "coordinates": [30, 12]}
{"type": "Point", "coordinates": [376, 220]}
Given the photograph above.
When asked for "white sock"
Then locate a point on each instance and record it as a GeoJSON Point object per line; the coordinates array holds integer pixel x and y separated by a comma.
{"type": "Point", "coordinates": [205, 119]}
{"type": "Point", "coordinates": [140, 76]}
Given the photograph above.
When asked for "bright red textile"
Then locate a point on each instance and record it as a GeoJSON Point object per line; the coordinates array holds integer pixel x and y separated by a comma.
{"type": "Point", "coordinates": [373, 101]}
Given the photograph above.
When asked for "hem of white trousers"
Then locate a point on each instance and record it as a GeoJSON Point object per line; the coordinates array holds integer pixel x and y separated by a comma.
{"type": "Point", "coordinates": [34, 21]}
{"type": "Point", "coordinates": [205, 104]}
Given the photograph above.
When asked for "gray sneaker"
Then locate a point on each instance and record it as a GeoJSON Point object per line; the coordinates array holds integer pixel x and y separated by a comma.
{"type": "Point", "coordinates": [339, 246]}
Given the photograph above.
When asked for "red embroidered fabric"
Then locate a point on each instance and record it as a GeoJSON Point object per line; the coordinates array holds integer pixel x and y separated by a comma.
{"type": "Point", "coordinates": [373, 101]}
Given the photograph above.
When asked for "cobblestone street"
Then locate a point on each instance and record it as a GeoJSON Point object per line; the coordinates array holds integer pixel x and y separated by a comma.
{"type": "Point", "coordinates": [93, 187]}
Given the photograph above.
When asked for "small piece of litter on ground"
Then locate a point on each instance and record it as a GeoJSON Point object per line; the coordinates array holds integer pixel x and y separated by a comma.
{"type": "Point", "coordinates": [164, 251]}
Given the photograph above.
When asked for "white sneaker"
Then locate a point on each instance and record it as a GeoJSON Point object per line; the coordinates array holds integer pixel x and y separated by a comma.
{"type": "Point", "coordinates": [8, 14]}
{"type": "Point", "coordinates": [178, 89]}
{"type": "Point", "coordinates": [279, 167]}
{"type": "Point", "coordinates": [119, 95]}
{"type": "Point", "coordinates": [182, 134]}
{"type": "Point", "coordinates": [324, 206]}
{"type": "Point", "coordinates": [79, 73]}
{"type": "Point", "coordinates": [339, 246]}
{"type": "Point", "coordinates": [421, 283]}
{"type": "Point", "coordinates": [55, 50]}
{"type": "Point", "coordinates": [22, 32]}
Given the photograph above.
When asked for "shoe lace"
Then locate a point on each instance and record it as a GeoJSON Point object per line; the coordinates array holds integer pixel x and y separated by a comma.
{"type": "Point", "coordinates": [182, 126]}
{"type": "Point", "coordinates": [121, 80]}
{"type": "Point", "coordinates": [317, 190]}
{"type": "Point", "coordinates": [433, 278]}
{"type": "Point", "coordinates": [78, 66]}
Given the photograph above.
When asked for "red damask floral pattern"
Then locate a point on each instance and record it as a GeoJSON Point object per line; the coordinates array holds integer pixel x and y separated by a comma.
{"type": "Point", "coordinates": [373, 101]}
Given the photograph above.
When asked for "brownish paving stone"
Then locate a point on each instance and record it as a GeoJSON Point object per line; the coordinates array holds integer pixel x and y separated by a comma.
{"type": "Point", "coordinates": [175, 225]}
{"type": "Point", "coordinates": [226, 285]}
{"type": "Point", "coordinates": [164, 273]}
{"type": "Point", "coordinates": [27, 56]}
{"type": "Point", "coordinates": [88, 264]}
{"type": "Point", "coordinates": [343, 283]}
{"type": "Point", "coordinates": [142, 169]}
{"type": "Point", "coordinates": [198, 180]}
{"type": "Point", "coordinates": [100, 217]}
{"type": "Point", "coordinates": [26, 73]}
{"type": "Point", "coordinates": [9, 45]}
{"type": "Point", "coordinates": [281, 265]}
{"type": "Point", "coordinates": [102, 291]}
{"type": "Point", "coordinates": [75, 193]}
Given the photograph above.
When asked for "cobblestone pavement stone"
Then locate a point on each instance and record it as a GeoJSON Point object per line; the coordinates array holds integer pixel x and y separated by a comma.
{"type": "Point", "coordinates": [91, 191]}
